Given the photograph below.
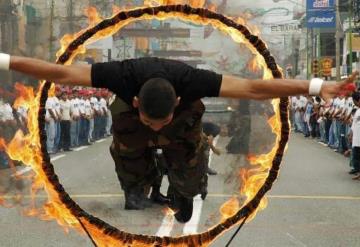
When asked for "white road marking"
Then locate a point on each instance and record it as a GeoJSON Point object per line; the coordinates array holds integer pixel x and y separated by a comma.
{"type": "Point", "coordinates": [295, 240]}
{"type": "Point", "coordinates": [57, 157]}
{"type": "Point", "coordinates": [166, 226]}
{"type": "Point", "coordinates": [101, 140]}
{"type": "Point", "coordinates": [27, 169]}
{"type": "Point", "coordinates": [191, 226]}
{"type": "Point", "coordinates": [80, 148]}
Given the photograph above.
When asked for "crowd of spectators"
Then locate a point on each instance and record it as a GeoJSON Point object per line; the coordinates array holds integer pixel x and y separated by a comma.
{"type": "Point", "coordinates": [334, 124]}
{"type": "Point", "coordinates": [74, 117]}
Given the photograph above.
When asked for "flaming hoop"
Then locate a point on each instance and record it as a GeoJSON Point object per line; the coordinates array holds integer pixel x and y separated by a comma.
{"type": "Point", "coordinates": [103, 233]}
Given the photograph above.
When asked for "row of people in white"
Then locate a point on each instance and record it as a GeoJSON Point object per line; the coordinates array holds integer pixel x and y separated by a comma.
{"type": "Point", "coordinates": [336, 123]}
{"type": "Point", "coordinates": [83, 112]}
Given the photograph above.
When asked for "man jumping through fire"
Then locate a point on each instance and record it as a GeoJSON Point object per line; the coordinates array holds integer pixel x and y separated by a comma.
{"type": "Point", "coordinates": [164, 110]}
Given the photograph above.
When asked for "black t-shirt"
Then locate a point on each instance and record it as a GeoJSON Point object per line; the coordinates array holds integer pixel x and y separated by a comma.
{"type": "Point", "coordinates": [126, 77]}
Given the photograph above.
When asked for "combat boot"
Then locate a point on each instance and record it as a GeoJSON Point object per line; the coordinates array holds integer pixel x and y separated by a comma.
{"type": "Point", "coordinates": [132, 201]}
{"type": "Point", "coordinates": [204, 193]}
{"type": "Point", "coordinates": [142, 199]}
{"type": "Point", "coordinates": [211, 171]}
{"type": "Point", "coordinates": [157, 197]}
{"type": "Point", "coordinates": [185, 210]}
{"type": "Point", "coordinates": [182, 206]}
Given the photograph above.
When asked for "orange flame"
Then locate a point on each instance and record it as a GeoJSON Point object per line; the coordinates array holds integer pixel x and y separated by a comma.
{"type": "Point", "coordinates": [192, 3]}
{"type": "Point", "coordinates": [229, 208]}
{"type": "Point", "coordinates": [253, 65]}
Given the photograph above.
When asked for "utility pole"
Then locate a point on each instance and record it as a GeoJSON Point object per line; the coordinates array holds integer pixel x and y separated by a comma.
{"type": "Point", "coordinates": [71, 16]}
{"type": "Point", "coordinates": [350, 35]}
{"type": "Point", "coordinates": [308, 61]}
{"type": "Point", "coordinates": [337, 40]}
{"type": "Point", "coordinates": [51, 23]}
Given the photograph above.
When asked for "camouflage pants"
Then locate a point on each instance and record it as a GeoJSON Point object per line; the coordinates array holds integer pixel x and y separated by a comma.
{"type": "Point", "coordinates": [134, 144]}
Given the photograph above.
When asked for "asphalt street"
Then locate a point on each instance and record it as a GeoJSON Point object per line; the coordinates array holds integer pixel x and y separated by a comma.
{"type": "Point", "coordinates": [313, 203]}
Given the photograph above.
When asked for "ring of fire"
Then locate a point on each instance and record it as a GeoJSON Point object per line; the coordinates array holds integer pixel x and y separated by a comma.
{"type": "Point", "coordinates": [103, 233]}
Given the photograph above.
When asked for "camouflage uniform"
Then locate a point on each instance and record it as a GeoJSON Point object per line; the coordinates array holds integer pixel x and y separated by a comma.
{"type": "Point", "coordinates": [133, 145]}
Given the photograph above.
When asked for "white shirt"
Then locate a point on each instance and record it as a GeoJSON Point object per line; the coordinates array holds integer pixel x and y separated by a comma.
{"type": "Point", "coordinates": [87, 107]}
{"type": "Point", "coordinates": [82, 106]}
{"type": "Point", "coordinates": [75, 107]}
{"type": "Point", "coordinates": [355, 127]}
{"type": "Point", "coordinates": [103, 105]}
{"type": "Point", "coordinates": [65, 110]}
{"type": "Point", "coordinates": [94, 103]}
{"type": "Point", "coordinates": [50, 105]}
{"type": "Point", "coordinates": [57, 106]}
{"type": "Point", "coordinates": [6, 112]}
{"type": "Point", "coordinates": [301, 103]}
{"type": "Point", "coordinates": [341, 104]}
{"type": "Point", "coordinates": [349, 105]}
{"type": "Point", "coordinates": [335, 103]}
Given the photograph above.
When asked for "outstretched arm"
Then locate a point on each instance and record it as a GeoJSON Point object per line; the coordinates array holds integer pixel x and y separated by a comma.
{"type": "Point", "coordinates": [42, 70]}
{"type": "Point", "coordinates": [235, 87]}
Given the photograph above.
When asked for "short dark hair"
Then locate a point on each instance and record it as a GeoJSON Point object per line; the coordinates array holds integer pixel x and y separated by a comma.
{"type": "Point", "coordinates": [211, 129]}
{"type": "Point", "coordinates": [356, 96]}
{"type": "Point", "coordinates": [157, 98]}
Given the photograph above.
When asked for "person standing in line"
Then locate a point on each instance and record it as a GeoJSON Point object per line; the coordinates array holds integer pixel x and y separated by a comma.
{"type": "Point", "coordinates": [84, 122]}
{"type": "Point", "coordinates": [75, 121]}
{"type": "Point", "coordinates": [349, 106]}
{"type": "Point", "coordinates": [109, 99]}
{"type": "Point", "coordinates": [50, 125]}
{"type": "Point", "coordinates": [104, 110]}
{"type": "Point", "coordinates": [65, 122]}
{"type": "Point", "coordinates": [57, 122]}
{"type": "Point", "coordinates": [94, 119]}
{"type": "Point", "coordinates": [297, 117]}
{"type": "Point", "coordinates": [355, 136]}
{"type": "Point", "coordinates": [89, 116]}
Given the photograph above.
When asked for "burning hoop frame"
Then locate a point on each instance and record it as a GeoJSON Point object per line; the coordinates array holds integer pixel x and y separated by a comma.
{"type": "Point", "coordinates": [107, 235]}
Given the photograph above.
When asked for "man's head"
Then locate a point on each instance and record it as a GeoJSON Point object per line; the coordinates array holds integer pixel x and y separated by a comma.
{"type": "Point", "coordinates": [156, 102]}
{"type": "Point", "coordinates": [356, 98]}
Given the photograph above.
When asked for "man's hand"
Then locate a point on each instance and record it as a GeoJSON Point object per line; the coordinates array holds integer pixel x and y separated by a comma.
{"type": "Point", "coordinates": [330, 89]}
{"type": "Point", "coordinates": [210, 140]}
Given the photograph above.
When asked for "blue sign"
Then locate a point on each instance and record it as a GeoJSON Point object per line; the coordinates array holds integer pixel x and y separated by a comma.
{"type": "Point", "coordinates": [321, 19]}
{"type": "Point", "coordinates": [319, 4]}
{"type": "Point", "coordinates": [320, 14]}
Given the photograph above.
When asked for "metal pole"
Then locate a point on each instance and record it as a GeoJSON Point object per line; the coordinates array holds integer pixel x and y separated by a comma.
{"type": "Point", "coordinates": [71, 16]}
{"type": "Point", "coordinates": [52, 5]}
{"type": "Point", "coordinates": [337, 38]}
{"type": "Point", "coordinates": [312, 50]}
{"type": "Point", "coordinates": [307, 55]}
{"type": "Point", "coordinates": [350, 35]}
{"type": "Point", "coordinates": [318, 46]}
{"type": "Point", "coordinates": [285, 51]}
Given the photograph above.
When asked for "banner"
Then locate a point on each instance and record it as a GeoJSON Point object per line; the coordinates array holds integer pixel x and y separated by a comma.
{"type": "Point", "coordinates": [286, 28]}
{"type": "Point", "coordinates": [355, 42]}
{"type": "Point", "coordinates": [320, 14]}
{"type": "Point", "coordinates": [326, 66]}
